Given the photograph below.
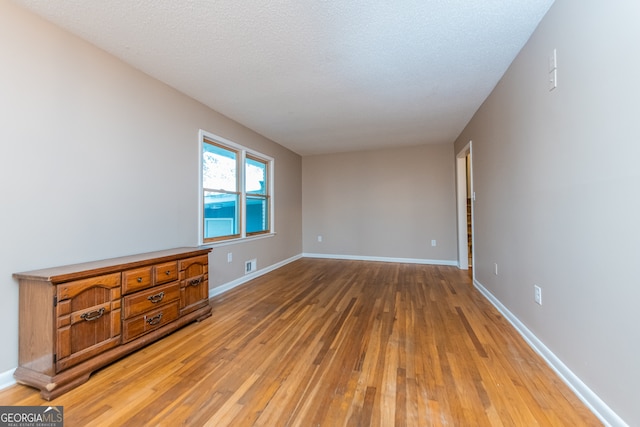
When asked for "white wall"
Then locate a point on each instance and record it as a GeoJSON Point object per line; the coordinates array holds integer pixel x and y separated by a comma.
{"type": "Point", "coordinates": [98, 160]}
{"type": "Point", "coordinates": [386, 204]}
{"type": "Point", "coordinates": [556, 178]}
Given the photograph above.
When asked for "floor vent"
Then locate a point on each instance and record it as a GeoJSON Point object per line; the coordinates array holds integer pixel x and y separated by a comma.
{"type": "Point", "coordinates": [250, 266]}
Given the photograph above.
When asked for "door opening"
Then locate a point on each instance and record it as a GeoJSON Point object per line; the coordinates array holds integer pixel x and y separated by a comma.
{"type": "Point", "coordinates": [465, 196]}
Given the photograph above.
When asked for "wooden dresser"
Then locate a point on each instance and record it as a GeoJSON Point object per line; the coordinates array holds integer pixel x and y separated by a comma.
{"type": "Point", "coordinates": [78, 318]}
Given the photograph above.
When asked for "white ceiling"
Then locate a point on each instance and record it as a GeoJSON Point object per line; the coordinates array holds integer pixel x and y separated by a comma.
{"type": "Point", "coordinates": [317, 76]}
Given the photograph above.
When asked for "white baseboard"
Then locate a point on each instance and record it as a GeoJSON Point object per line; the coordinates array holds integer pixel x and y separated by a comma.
{"type": "Point", "coordinates": [584, 393]}
{"type": "Point", "coordinates": [6, 379]}
{"type": "Point", "coordinates": [384, 259]}
{"type": "Point", "coordinates": [239, 281]}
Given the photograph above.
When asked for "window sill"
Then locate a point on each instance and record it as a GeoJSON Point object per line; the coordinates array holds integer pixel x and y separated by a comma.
{"type": "Point", "coordinates": [236, 241]}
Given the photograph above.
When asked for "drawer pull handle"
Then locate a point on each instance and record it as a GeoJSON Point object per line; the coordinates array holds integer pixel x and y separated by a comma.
{"type": "Point", "coordinates": [92, 315]}
{"type": "Point", "coordinates": [195, 282]}
{"type": "Point", "coordinates": [156, 298]}
{"type": "Point", "coordinates": [139, 279]}
{"type": "Point", "coordinates": [154, 320]}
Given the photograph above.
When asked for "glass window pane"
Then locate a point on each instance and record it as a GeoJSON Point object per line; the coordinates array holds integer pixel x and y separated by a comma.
{"type": "Point", "coordinates": [257, 214]}
{"type": "Point", "coordinates": [219, 168]}
{"type": "Point", "coordinates": [220, 214]}
{"type": "Point", "coordinates": [255, 176]}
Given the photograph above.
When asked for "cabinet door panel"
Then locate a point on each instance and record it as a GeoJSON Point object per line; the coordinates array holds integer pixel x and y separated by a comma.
{"type": "Point", "coordinates": [71, 290]}
{"type": "Point", "coordinates": [193, 267]}
{"type": "Point", "coordinates": [194, 286]}
{"type": "Point", "coordinates": [86, 319]}
{"type": "Point", "coordinates": [193, 298]}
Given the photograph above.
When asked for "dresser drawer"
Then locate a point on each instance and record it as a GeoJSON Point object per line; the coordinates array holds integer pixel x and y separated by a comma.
{"type": "Point", "coordinates": [140, 302]}
{"type": "Point", "coordinates": [136, 280]}
{"type": "Point", "coordinates": [166, 272]}
{"type": "Point", "coordinates": [133, 328]}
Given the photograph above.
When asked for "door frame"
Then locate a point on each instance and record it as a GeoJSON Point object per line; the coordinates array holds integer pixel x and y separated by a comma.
{"type": "Point", "coordinates": [461, 200]}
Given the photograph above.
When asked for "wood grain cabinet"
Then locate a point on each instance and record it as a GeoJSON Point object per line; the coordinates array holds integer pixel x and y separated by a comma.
{"type": "Point", "coordinates": [76, 319]}
{"type": "Point", "coordinates": [87, 319]}
{"type": "Point", "coordinates": [194, 279]}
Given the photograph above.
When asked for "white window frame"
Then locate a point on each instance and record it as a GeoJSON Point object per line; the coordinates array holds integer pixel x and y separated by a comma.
{"type": "Point", "coordinates": [242, 151]}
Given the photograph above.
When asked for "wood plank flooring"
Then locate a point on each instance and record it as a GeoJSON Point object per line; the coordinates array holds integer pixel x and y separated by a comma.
{"type": "Point", "coordinates": [331, 343]}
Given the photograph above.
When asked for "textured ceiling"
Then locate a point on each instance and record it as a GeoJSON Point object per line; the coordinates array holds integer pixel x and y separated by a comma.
{"type": "Point", "coordinates": [317, 76]}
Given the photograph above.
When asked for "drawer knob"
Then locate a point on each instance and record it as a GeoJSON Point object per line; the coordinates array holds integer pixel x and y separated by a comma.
{"type": "Point", "coordinates": [92, 315]}
{"type": "Point", "coordinates": [156, 298]}
{"type": "Point", "coordinates": [154, 320]}
{"type": "Point", "coordinates": [139, 279]}
{"type": "Point", "coordinates": [168, 272]}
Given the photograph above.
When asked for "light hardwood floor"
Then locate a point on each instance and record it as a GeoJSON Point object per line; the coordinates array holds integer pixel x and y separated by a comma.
{"type": "Point", "coordinates": [330, 343]}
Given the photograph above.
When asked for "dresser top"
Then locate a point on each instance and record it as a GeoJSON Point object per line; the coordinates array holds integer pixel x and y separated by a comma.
{"type": "Point", "coordinates": [78, 271]}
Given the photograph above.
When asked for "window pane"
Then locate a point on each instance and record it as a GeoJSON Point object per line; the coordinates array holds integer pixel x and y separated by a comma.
{"type": "Point", "coordinates": [220, 214]}
{"type": "Point", "coordinates": [257, 214]}
{"type": "Point", "coordinates": [256, 176]}
{"type": "Point", "coordinates": [219, 168]}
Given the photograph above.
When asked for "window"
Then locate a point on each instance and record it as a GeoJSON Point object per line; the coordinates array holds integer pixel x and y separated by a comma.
{"type": "Point", "coordinates": [257, 197]}
{"type": "Point", "coordinates": [236, 191]}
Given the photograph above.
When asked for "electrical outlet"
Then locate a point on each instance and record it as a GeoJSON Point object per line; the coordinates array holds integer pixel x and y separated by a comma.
{"type": "Point", "coordinates": [495, 268]}
{"type": "Point", "coordinates": [229, 257]}
{"type": "Point", "coordinates": [433, 243]}
{"type": "Point", "coordinates": [319, 238]}
{"type": "Point", "coordinates": [537, 294]}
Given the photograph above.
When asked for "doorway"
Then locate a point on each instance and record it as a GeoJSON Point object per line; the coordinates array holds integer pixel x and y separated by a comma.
{"type": "Point", "coordinates": [465, 196]}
